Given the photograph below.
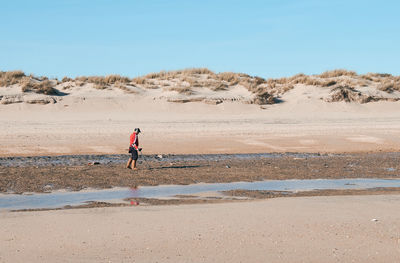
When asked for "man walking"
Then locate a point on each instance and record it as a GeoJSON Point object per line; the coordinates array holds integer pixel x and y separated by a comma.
{"type": "Point", "coordinates": [133, 149]}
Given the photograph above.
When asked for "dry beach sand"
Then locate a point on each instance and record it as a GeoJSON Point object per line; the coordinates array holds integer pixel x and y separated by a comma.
{"type": "Point", "coordinates": [202, 112]}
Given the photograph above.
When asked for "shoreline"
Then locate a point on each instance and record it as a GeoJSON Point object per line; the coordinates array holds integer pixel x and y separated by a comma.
{"type": "Point", "coordinates": [228, 197]}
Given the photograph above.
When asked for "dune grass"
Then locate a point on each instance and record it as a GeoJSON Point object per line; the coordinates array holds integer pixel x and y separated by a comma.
{"type": "Point", "coordinates": [11, 77]}
{"type": "Point", "coordinates": [389, 86]}
{"type": "Point", "coordinates": [337, 73]}
{"type": "Point", "coordinates": [107, 80]}
{"type": "Point", "coordinates": [45, 87]}
{"type": "Point", "coordinates": [182, 90]}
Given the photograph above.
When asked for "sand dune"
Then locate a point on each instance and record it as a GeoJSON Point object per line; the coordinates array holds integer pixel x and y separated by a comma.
{"type": "Point", "coordinates": [191, 85]}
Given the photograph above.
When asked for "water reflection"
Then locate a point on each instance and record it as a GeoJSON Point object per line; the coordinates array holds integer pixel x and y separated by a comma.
{"type": "Point", "coordinates": [60, 199]}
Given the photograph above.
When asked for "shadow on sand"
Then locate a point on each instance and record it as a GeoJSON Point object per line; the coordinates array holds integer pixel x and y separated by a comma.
{"type": "Point", "coordinates": [175, 167]}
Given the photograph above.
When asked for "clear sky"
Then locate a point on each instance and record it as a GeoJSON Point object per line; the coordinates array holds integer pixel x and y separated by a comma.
{"type": "Point", "coordinates": [270, 38]}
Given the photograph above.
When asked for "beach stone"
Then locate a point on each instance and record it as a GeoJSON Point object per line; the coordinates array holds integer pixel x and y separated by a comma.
{"type": "Point", "coordinates": [48, 187]}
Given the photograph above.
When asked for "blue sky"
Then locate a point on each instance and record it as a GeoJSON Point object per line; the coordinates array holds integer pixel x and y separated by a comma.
{"type": "Point", "coordinates": [270, 38]}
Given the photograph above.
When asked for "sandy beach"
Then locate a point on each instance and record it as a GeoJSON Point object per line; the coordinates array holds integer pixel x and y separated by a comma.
{"type": "Point", "coordinates": [308, 229]}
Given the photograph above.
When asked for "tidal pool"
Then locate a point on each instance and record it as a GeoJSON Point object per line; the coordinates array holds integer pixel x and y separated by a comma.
{"type": "Point", "coordinates": [60, 199]}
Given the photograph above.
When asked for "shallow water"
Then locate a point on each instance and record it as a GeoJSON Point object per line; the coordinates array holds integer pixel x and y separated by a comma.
{"type": "Point", "coordinates": [61, 199]}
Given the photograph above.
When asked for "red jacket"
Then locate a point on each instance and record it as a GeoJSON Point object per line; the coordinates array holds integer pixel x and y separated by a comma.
{"type": "Point", "coordinates": [134, 141]}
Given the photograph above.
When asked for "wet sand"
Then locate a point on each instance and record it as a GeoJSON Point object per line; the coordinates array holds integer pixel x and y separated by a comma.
{"type": "Point", "coordinates": [303, 229]}
{"type": "Point", "coordinates": [50, 176]}
{"type": "Point", "coordinates": [262, 194]}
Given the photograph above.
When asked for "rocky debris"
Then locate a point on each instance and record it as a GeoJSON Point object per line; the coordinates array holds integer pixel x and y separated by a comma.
{"type": "Point", "coordinates": [35, 99]}
{"type": "Point", "coordinates": [10, 99]}
{"type": "Point", "coordinates": [46, 100]}
{"type": "Point", "coordinates": [180, 100]}
{"type": "Point", "coordinates": [48, 188]}
{"type": "Point", "coordinates": [213, 101]}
